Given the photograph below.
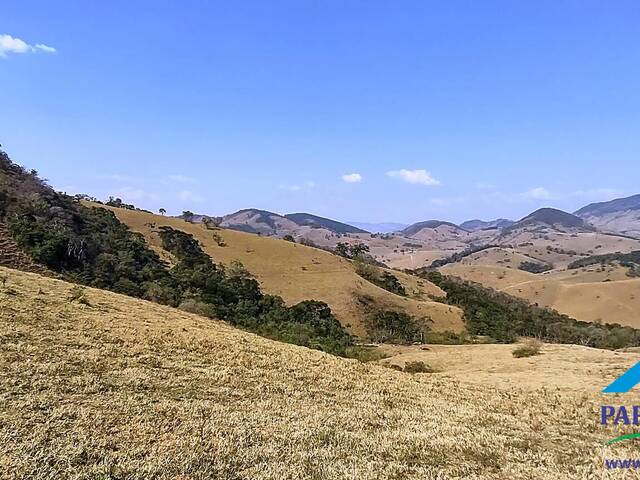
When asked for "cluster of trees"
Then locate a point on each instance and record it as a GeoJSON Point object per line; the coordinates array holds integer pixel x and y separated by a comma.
{"type": "Point", "coordinates": [118, 203]}
{"type": "Point", "coordinates": [535, 267]}
{"type": "Point", "coordinates": [380, 277]}
{"type": "Point", "coordinates": [504, 318]}
{"type": "Point", "coordinates": [92, 247]}
{"type": "Point", "coordinates": [394, 327]}
{"type": "Point", "coordinates": [354, 250]}
{"type": "Point", "coordinates": [456, 257]}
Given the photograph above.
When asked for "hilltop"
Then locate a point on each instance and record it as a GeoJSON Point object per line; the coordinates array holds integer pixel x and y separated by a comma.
{"type": "Point", "coordinates": [551, 217]}
{"type": "Point", "coordinates": [476, 224]}
{"type": "Point", "coordinates": [314, 221]}
{"type": "Point", "coordinates": [104, 385]}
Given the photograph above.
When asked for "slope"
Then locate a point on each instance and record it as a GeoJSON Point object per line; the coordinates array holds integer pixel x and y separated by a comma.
{"type": "Point", "coordinates": [297, 272]}
{"type": "Point", "coordinates": [113, 387]}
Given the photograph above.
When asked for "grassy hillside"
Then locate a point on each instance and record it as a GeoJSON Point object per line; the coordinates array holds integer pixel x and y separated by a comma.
{"type": "Point", "coordinates": [609, 296]}
{"type": "Point", "coordinates": [107, 386]}
{"type": "Point", "coordinates": [297, 272]}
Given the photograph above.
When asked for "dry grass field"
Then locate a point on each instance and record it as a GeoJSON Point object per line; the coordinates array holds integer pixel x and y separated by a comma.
{"type": "Point", "coordinates": [297, 272]}
{"type": "Point", "coordinates": [95, 385]}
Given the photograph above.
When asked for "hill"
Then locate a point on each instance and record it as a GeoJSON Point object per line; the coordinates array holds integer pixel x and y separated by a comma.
{"type": "Point", "coordinates": [415, 228]}
{"type": "Point", "coordinates": [621, 215]}
{"type": "Point", "coordinates": [551, 217]}
{"type": "Point", "coordinates": [612, 206]}
{"type": "Point", "coordinates": [608, 296]}
{"type": "Point", "coordinates": [314, 221]}
{"type": "Point", "coordinates": [107, 386]}
{"type": "Point", "coordinates": [297, 272]}
{"type": "Point", "coordinates": [475, 225]}
{"type": "Point", "coordinates": [252, 220]}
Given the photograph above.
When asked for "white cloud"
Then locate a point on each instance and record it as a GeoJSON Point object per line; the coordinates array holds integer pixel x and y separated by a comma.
{"type": "Point", "coordinates": [9, 44]}
{"type": "Point", "coordinates": [45, 48]}
{"type": "Point", "coordinates": [352, 178]}
{"type": "Point", "coordinates": [181, 179]}
{"type": "Point", "coordinates": [421, 177]}
{"type": "Point", "coordinates": [189, 196]}
{"type": "Point", "coordinates": [485, 186]}
{"type": "Point", "coordinates": [538, 193]}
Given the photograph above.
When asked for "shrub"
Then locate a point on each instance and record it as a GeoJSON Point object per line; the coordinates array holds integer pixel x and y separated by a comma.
{"type": "Point", "coordinates": [529, 348]}
{"type": "Point", "coordinates": [418, 367]}
{"type": "Point", "coordinates": [289, 238]}
{"type": "Point", "coordinates": [366, 353]}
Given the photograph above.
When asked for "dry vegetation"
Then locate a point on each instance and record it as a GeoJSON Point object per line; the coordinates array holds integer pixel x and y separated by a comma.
{"type": "Point", "coordinates": [297, 273]}
{"type": "Point", "coordinates": [98, 385]}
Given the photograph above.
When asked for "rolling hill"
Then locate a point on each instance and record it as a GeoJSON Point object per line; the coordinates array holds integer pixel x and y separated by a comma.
{"type": "Point", "coordinates": [297, 272]}
{"type": "Point", "coordinates": [106, 386]}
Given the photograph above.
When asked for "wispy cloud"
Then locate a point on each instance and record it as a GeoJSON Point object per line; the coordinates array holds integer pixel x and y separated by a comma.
{"type": "Point", "coordinates": [485, 186]}
{"type": "Point", "coordinates": [538, 193]}
{"type": "Point", "coordinates": [178, 178]}
{"type": "Point", "coordinates": [352, 178]}
{"type": "Point", "coordinates": [14, 45]}
{"type": "Point", "coordinates": [189, 196]}
{"type": "Point", "coordinates": [420, 177]}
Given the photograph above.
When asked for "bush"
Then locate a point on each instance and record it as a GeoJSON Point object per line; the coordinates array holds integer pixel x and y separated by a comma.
{"type": "Point", "coordinates": [529, 348]}
{"type": "Point", "coordinates": [418, 367]}
{"type": "Point", "coordinates": [534, 267]}
{"type": "Point", "coordinates": [365, 353]}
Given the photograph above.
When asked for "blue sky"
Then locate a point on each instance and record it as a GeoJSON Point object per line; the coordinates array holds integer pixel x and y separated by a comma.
{"type": "Point", "coordinates": [451, 109]}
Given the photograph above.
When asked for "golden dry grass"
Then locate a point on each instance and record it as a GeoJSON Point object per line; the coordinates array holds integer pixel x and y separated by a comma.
{"type": "Point", "coordinates": [297, 273]}
{"type": "Point", "coordinates": [113, 387]}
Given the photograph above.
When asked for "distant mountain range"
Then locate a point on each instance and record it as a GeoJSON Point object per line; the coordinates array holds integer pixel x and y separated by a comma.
{"type": "Point", "coordinates": [621, 216]}
{"type": "Point", "coordinates": [384, 227]}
